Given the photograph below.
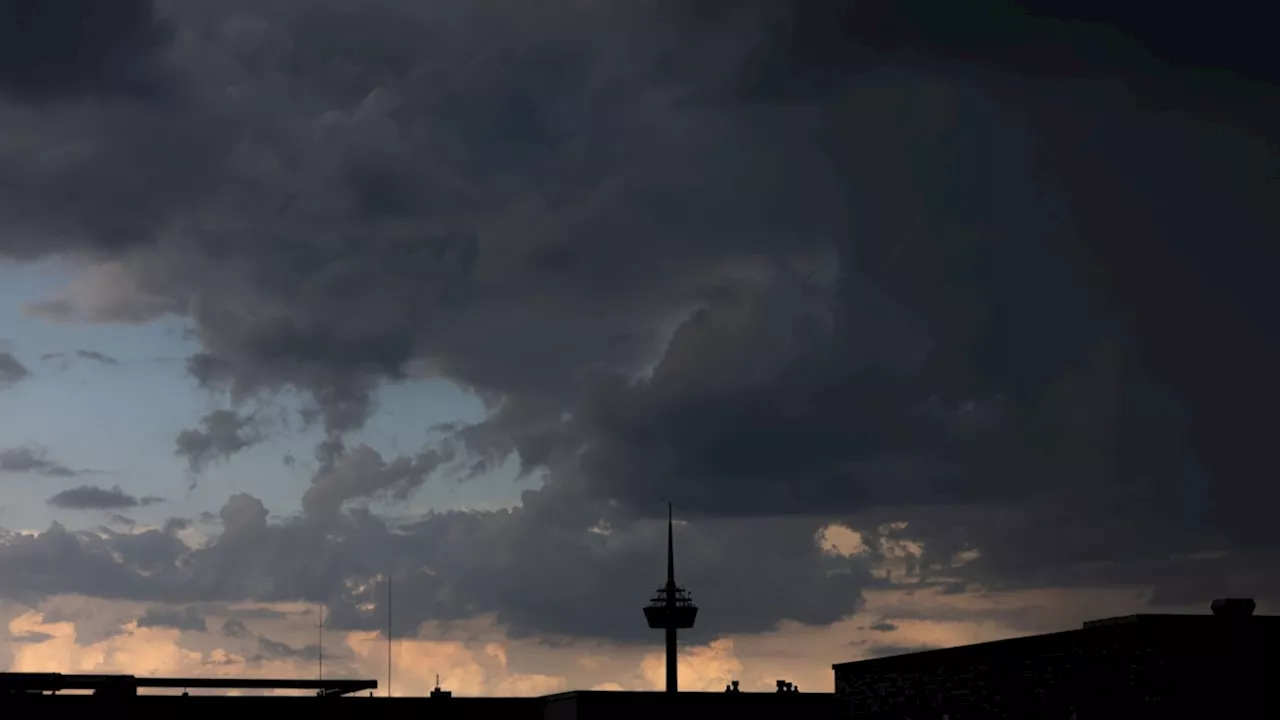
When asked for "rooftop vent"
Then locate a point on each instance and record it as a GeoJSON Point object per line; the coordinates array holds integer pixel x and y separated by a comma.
{"type": "Point", "coordinates": [1233, 607]}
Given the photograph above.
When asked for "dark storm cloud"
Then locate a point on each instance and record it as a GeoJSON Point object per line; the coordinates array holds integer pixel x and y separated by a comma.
{"type": "Point", "coordinates": [77, 47]}
{"type": "Point", "coordinates": [185, 619]}
{"type": "Point", "coordinates": [992, 272]}
{"type": "Point", "coordinates": [571, 579]}
{"type": "Point", "coordinates": [118, 564]}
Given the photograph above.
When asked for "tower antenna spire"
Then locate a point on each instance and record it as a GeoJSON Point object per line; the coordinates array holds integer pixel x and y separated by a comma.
{"type": "Point", "coordinates": [671, 549]}
{"type": "Point", "coordinates": [671, 608]}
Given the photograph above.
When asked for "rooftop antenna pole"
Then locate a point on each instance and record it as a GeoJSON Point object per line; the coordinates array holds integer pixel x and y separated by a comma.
{"type": "Point", "coordinates": [320, 642]}
{"type": "Point", "coordinates": [388, 634]}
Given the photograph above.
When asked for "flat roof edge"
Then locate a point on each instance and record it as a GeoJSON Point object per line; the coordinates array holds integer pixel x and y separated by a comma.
{"type": "Point", "coordinates": [955, 648]}
{"type": "Point", "coordinates": [1162, 620]}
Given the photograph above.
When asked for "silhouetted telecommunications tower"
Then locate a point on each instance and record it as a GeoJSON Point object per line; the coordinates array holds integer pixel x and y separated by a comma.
{"type": "Point", "coordinates": [671, 609]}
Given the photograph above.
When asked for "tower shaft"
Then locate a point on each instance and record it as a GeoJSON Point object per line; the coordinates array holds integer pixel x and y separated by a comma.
{"type": "Point", "coordinates": [673, 682]}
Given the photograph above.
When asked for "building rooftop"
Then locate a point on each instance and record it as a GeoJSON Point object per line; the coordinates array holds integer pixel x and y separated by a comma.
{"type": "Point", "coordinates": [1226, 613]}
{"type": "Point", "coordinates": [28, 683]}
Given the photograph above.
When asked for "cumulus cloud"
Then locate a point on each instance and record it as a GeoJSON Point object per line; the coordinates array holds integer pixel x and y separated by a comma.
{"type": "Point", "coordinates": [705, 669]}
{"type": "Point", "coordinates": [955, 281]}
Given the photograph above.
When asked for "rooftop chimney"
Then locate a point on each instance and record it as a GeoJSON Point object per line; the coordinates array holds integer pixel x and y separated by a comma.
{"type": "Point", "coordinates": [1233, 607]}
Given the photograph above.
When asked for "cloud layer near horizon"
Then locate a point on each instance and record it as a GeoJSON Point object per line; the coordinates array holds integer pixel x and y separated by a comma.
{"type": "Point", "coordinates": [476, 656]}
{"type": "Point", "coordinates": [986, 288]}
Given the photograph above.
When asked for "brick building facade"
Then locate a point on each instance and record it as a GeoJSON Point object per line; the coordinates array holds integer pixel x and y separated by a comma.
{"type": "Point", "coordinates": [1139, 666]}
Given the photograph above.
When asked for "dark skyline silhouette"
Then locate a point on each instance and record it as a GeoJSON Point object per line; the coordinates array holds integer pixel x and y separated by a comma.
{"type": "Point", "coordinates": [940, 321]}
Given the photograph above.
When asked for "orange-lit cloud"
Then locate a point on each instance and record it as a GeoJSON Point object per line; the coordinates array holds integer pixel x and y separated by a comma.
{"type": "Point", "coordinates": [477, 657]}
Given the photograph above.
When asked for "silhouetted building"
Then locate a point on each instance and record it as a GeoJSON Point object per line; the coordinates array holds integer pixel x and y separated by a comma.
{"type": "Point", "coordinates": [26, 684]}
{"type": "Point", "coordinates": [671, 609]}
{"type": "Point", "coordinates": [1137, 666]}
{"type": "Point", "coordinates": [441, 705]}
{"type": "Point", "coordinates": [691, 705]}
{"type": "Point", "coordinates": [438, 693]}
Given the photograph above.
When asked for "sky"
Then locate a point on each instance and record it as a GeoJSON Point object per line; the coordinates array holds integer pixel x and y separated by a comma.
{"type": "Point", "coordinates": [937, 323]}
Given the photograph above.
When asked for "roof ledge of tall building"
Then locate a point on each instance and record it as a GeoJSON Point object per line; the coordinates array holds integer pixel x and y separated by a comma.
{"type": "Point", "coordinates": [1231, 608]}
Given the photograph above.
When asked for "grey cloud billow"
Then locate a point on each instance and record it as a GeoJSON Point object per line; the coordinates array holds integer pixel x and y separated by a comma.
{"type": "Point", "coordinates": [32, 459]}
{"type": "Point", "coordinates": [222, 434]}
{"type": "Point", "coordinates": [997, 275]}
{"type": "Point", "coordinates": [90, 497]}
{"type": "Point", "coordinates": [234, 629]}
{"type": "Point", "coordinates": [269, 648]}
{"type": "Point", "coordinates": [452, 566]}
{"type": "Point", "coordinates": [69, 48]}
{"type": "Point", "coordinates": [11, 370]}
{"type": "Point", "coordinates": [178, 619]}
{"type": "Point", "coordinates": [363, 472]}
{"type": "Point", "coordinates": [97, 357]}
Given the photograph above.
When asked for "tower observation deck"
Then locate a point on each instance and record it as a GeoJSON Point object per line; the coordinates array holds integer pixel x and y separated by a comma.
{"type": "Point", "coordinates": [671, 609]}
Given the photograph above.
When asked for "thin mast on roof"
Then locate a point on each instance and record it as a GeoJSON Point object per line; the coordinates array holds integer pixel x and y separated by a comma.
{"type": "Point", "coordinates": [388, 634]}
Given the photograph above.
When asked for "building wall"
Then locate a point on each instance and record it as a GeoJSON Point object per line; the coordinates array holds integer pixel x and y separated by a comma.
{"type": "Point", "coordinates": [690, 705]}
{"type": "Point", "coordinates": [1125, 670]}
